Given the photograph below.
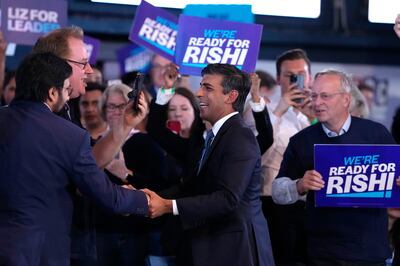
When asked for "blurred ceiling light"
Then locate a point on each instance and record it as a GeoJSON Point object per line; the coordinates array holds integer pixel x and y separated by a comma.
{"type": "Point", "coordinates": [383, 11]}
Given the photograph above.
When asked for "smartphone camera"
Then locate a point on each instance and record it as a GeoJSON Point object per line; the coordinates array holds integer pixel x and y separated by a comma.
{"type": "Point", "coordinates": [174, 126]}
{"type": "Point", "coordinates": [134, 94]}
{"type": "Point", "coordinates": [299, 81]}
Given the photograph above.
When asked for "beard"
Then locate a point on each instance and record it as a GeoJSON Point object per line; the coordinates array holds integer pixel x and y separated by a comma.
{"type": "Point", "coordinates": [58, 106]}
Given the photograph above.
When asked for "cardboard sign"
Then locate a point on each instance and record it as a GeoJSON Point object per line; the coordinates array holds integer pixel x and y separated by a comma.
{"type": "Point", "coordinates": [358, 175]}
{"type": "Point", "coordinates": [24, 21]}
{"type": "Point", "coordinates": [92, 46]}
{"type": "Point", "coordinates": [134, 58]}
{"type": "Point", "coordinates": [203, 41]}
{"type": "Point", "coordinates": [155, 29]}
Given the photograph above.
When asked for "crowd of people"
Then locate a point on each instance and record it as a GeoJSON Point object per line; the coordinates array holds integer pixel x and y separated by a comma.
{"type": "Point", "coordinates": [217, 175]}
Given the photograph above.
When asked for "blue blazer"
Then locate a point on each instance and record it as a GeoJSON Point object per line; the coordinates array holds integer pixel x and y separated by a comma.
{"type": "Point", "coordinates": [221, 208]}
{"type": "Point", "coordinates": [43, 159]}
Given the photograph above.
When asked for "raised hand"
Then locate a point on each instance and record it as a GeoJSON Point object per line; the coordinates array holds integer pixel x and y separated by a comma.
{"type": "Point", "coordinates": [170, 75]}
{"type": "Point", "coordinates": [132, 118]}
{"type": "Point", "coordinates": [255, 87]}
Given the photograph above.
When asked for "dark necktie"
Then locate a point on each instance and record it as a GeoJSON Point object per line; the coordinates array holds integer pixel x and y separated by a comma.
{"type": "Point", "coordinates": [206, 149]}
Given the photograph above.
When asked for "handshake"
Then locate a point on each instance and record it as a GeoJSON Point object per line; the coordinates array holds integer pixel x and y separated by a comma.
{"type": "Point", "coordinates": [157, 205]}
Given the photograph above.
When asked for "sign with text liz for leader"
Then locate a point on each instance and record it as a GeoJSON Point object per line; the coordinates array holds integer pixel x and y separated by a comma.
{"type": "Point", "coordinates": [155, 29]}
{"type": "Point", "coordinates": [358, 175]}
{"type": "Point", "coordinates": [202, 41]}
{"type": "Point", "coordinates": [24, 21]}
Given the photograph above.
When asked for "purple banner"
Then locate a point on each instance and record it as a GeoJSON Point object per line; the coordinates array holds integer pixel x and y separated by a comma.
{"type": "Point", "coordinates": [358, 175]}
{"type": "Point", "coordinates": [203, 41]}
{"type": "Point", "coordinates": [24, 21]}
{"type": "Point", "coordinates": [92, 46]}
{"type": "Point", "coordinates": [134, 58]}
{"type": "Point", "coordinates": [155, 29]}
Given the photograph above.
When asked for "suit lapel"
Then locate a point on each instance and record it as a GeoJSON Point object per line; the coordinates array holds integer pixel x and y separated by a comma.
{"type": "Point", "coordinates": [221, 132]}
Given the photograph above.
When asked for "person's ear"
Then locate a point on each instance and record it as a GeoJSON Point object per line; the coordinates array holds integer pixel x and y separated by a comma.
{"type": "Point", "coordinates": [232, 96]}
{"type": "Point", "coordinates": [52, 95]}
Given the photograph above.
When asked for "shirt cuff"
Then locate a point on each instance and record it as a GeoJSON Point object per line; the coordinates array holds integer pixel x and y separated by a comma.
{"type": "Point", "coordinates": [174, 208]}
{"type": "Point", "coordinates": [164, 95]}
{"type": "Point", "coordinates": [257, 107]}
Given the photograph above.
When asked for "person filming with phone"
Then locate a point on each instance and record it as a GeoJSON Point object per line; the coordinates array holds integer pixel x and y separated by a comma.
{"type": "Point", "coordinates": [290, 112]}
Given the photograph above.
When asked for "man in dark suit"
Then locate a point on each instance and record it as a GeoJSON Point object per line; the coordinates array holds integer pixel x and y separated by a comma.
{"type": "Point", "coordinates": [220, 208]}
{"type": "Point", "coordinates": [42, 158]}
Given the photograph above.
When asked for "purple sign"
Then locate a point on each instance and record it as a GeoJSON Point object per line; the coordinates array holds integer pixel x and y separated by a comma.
{"type": "Point", "coordinates": [24, 21]}
{"type": "Point", "coordinates": [358, 175]}
{"type": "Point", "coordinates": [92, 46]}
{"type": "Point", "coordinates": [155, 29]}
{"type": "Point", "coordinates": [134, 58]}
{"type": "Point", "coordinates": [203, 41]}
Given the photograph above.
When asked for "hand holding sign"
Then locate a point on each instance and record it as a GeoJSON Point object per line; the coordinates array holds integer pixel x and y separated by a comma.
{"type": "Point", "coordinates": [312, 180]}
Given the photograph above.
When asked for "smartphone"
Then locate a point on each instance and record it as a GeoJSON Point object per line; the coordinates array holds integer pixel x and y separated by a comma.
{"type": "Point", "coordinates": [299, 81]}
{"type": "Point", "coordinates": [134, 94]}
{"type": "Point", "coordinates": [174, 126]}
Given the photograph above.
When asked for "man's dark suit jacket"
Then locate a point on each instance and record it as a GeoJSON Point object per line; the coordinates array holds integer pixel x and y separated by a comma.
{"type": "Point", "coordinates": [221, 208]}
{"type": "Point", "coordinates": [42, 158]}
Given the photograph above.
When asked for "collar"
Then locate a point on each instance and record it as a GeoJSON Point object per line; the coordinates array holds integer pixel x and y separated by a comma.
{"type": "Point", "coordinates": [48, 106]}
{"type": "Point", "coordinates": [343, 130]}
{"type": "Point", "coordinates": [217, 126]}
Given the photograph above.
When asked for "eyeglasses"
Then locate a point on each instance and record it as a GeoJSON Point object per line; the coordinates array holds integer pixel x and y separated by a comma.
{"type": "Point", "coordinates": [324, 96]}
{"type": "Point", "coordinates": [82, 64]}
{"type": "Point", "coordinates": [112, 107]}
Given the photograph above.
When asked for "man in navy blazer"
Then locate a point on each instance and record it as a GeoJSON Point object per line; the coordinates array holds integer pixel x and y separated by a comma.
{"type": "Point", "coordinates": [220, 208]}
{"type": "Point", "coordinates": [43, 157]}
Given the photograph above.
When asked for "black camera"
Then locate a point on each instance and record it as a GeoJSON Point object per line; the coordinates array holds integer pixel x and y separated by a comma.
{"type": "Point", "coordinates": [134, 94]}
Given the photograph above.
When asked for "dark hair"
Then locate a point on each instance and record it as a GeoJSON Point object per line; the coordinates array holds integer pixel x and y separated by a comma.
{"type": "Point", "coordinates": [92, 86]}
{"type": "Point", "coordinates": [8, 77]}
{"type": "Point", "coordinates": [56, 41]}
{"type": "Point", "coordinates": [293, 54]}
{"type": "Point", "coordinates": [362, 86]}
{"type": "Point", "coordinates": [233, 79]}
{"type": "Point", "coordinates": [194, 102]}
{"type": "Point", "coordinates": [38, 73]}
{"type": "Point", "coordinates": [266, 79]}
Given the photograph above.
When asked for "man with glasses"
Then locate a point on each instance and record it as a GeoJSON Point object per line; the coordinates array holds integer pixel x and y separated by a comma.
{"type": "Point", "coordinates": [335, 236]}
{"type": "Point", "coordinates": [42, 158]}
{"type": "Point", "coordinates": [68, 44]}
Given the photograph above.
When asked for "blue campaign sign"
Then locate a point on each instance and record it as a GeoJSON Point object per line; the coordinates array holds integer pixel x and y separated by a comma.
{"type": "Point", "coordinates": [155, 29]}
{"type": "Point", "coordinates": [24, 21]}
{"type": "Point", "coordinates": [203, 41]}
{"type": "Point", "coordinates": [358, 175]}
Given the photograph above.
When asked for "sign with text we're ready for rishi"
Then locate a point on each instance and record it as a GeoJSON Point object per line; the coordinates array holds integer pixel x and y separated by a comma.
{"type": "Point", "coordinates": [203, 41]}
{"type": "Point", "coordinates": [24, 21]}
{"type": "Point", "coordinates": [155, 29]}
{"type": "Point", "coordinates": [358, 175]}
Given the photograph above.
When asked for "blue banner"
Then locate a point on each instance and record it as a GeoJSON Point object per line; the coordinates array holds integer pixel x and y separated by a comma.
{"type": "Point", "coordinates": [24, 21]}
{"type": "Point", "coordinates": [155, 29]}
{"type": "Point", "coordinates": [203, 41]}
{"type": "Point", "coordinates": [358, 175]}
